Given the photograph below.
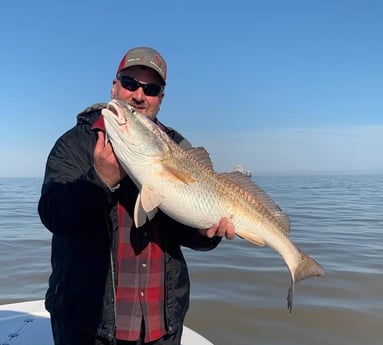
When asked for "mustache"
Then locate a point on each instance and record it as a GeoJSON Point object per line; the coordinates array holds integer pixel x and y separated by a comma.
{"type": "Point", "coordinates": [134, 104]}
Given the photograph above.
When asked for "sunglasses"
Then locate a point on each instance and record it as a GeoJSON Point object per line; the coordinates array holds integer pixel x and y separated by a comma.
{"type": "Point", "coordinates": [131, 84]}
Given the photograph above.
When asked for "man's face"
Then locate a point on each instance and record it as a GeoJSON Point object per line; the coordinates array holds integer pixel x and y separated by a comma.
{"type": "Point", "coordinates": [147, 105]}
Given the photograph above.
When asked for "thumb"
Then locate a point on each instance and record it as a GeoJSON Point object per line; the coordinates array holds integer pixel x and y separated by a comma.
{"type": "Point", "coordinates": [100, 143]}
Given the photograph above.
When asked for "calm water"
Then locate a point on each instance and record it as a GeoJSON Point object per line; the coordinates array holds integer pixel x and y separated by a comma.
{"type": "Point", "coordinates": [239, 290]}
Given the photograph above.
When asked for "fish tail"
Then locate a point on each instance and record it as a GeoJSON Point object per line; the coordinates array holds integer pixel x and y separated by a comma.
{"type": "Point", "coordinates": [307, 267]}
{"type": "Point", "coordinates": [290, 296]}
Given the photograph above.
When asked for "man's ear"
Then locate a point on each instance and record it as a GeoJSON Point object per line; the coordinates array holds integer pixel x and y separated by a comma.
{"type": "Point", "coordinates": [112, 91]}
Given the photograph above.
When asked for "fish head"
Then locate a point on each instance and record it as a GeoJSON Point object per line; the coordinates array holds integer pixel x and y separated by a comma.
{"type": "Point", "coordinates": [135, 138]}
{"type": "Point", "coordinates": [122, 117]}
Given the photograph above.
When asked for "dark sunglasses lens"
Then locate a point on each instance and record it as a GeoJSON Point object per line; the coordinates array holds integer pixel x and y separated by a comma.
{"type": "Point", "coordinates": [129, 83]}
{"type": "Point", "coordinates": [152, 89]}
{"type": "Point", "coordinates": [132, 84]}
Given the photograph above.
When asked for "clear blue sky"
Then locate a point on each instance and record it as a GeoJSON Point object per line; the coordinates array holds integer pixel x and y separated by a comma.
{"type": "Point", "coordinates": [276, 85]}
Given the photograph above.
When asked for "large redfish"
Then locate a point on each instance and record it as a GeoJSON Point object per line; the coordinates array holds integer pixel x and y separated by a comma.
{"type": "Point", "coordinates": [183, 184]}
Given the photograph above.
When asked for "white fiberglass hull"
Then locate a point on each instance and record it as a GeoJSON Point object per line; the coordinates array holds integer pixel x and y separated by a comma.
{"type": "Point", "coordinates": [27, 323]}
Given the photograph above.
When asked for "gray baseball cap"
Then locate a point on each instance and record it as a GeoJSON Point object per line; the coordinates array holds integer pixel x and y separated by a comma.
{"type": "Point", "coordinates": [144, 56]}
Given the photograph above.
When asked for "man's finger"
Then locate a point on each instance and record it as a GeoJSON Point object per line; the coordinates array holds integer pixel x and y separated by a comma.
{"type": "Point", "coordinates": [100, 140]}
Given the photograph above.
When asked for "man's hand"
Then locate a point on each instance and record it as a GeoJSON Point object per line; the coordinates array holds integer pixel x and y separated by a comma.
{"type": "Point", "coordinates": [223, 229]}
{"type": "Point", "coordinates": [106, 163]}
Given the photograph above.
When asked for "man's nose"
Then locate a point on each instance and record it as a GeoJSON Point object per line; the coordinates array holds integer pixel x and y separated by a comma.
{"type": "Point", "coordinates": [139, 94]}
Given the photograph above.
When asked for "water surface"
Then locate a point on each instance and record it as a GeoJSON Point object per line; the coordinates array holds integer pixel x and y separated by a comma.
{"type": "Point", "coordinates": [239, 290]}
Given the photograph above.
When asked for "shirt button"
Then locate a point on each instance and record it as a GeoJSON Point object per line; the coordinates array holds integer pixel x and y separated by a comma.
{"type": "Point", "coordinates": [143, 265]}
{"type": "Point", "coordinates": [142, 293]}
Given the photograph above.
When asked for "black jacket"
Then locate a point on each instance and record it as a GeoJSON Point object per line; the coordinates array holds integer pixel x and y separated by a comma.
{"type": "Point", "coordinates": [81, 212]}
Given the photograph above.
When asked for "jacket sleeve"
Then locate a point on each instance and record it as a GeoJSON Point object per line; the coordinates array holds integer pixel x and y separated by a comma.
{"type": "Point", "coordinates": [73, 197]}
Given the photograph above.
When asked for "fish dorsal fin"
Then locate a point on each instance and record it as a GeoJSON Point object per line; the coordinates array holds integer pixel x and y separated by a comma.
{"type": "Point", "coordinates": [243, 180]}
{"type": "Point", "coordinates": [251, 187]}
{"type": "Point", "coordinates": [201, 155]}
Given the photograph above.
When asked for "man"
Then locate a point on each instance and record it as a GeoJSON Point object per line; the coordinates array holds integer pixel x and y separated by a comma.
{"type": "Point", "coordinates": [112, 283]}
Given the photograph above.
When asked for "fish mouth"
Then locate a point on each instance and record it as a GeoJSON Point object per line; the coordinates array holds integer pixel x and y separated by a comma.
{"type": "Point", "coordinates": [112, 106]}
{"type": "Point", "coordinates": [116, 109]}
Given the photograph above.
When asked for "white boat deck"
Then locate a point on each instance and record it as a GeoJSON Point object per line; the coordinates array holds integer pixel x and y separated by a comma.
{"type": "Point", "coordinates": [27, 323]}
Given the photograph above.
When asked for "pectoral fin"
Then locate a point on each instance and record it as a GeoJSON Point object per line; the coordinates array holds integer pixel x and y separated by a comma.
{"type": "Point", "coordinates": [174, 174]}
{"type": "Point", "coordinates": [146, 206]}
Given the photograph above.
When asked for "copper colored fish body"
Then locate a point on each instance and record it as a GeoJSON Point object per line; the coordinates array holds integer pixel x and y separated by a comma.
{"type": "Point", "coordinates": [183, 184]}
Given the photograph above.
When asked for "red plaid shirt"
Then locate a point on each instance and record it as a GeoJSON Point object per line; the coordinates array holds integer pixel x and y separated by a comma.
{"type": "Point", "coordinates": [140, 286]}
